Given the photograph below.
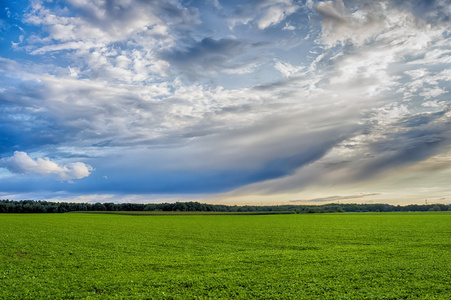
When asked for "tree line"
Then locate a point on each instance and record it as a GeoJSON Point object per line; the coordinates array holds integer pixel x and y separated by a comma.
{"type": "Point", "coordinates": [33, 206]}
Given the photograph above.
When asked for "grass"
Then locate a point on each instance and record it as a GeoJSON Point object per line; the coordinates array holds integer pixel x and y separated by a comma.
{"type": "Point", "coordinates": [309, 256]}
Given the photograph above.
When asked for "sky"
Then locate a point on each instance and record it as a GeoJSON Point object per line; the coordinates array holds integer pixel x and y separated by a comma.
{"type": "Point", "coordinates": [257, 102]}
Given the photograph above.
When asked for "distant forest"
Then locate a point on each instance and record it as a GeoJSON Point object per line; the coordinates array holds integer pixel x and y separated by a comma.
{"type": "Point", "coordinates": [32, 206]}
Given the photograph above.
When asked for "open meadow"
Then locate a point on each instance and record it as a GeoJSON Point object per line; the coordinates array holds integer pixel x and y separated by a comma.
{"type": "Point", "coordinates": [303, 256]}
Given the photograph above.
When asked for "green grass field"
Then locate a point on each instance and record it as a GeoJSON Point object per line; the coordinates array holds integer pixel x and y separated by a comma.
{"type": "Point", "coordinates": [308, 256]}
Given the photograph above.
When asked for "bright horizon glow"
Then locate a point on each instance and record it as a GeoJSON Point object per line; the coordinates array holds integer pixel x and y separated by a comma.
{"type": "Point", "coordinates": [226, 102]}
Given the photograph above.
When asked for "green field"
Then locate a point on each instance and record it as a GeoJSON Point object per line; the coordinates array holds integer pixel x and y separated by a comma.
{"type": "Point", "coordinates": [307, 256]}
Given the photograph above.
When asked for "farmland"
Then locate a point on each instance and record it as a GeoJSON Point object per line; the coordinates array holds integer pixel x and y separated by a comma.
{"type": "Point", "coordinates": [293, 256]}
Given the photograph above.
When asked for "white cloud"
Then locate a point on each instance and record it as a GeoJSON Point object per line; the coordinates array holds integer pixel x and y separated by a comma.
{"type": "Point", "coordinates": [288, 27]}
{"type": "Point", "coordinates": [389, 114]}
{"type": "Point", "coordinates": [434, 103]}
{"type": "Point", "coordinates": [21, 163]}
{"type": "Point", "coordinates": [435, 57]}
{"type": "Point", "coordinates": [417, 73]}
{"type": "Point", "coordinates": [273, 15]}
{"type": "Point", "coordinates": [287, 69]}
{"type": "Point", "coordinates": [432, 92]}
{"type": "Point", "coordinates": [114, 40]}
{"type": "Point", "coordinates": [98, 23]}
{"type": "Point", "coordinates": [264, 14]}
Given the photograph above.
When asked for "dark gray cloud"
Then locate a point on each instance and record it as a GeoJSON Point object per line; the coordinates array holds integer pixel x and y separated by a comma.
{"type": "Point", "coordinates": [211, 56]}
{"type": "Point", "coordinates": [339, 25]}
{"type": "Point", "coordinates": [378, 152]}
{"type": "Point", "coordinates": [24, 125]}
{"type": "Point", "coordinates": [407, 142]}
{"type": "Point", "coordinates": [433, 12]}
{"type": "Point", "coordinates": [408, 145]}
{"type": "Point", "coordinates": [421, 119]}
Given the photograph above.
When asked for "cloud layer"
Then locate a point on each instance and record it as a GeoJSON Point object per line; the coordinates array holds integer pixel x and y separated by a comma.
{"type": "Point", "coordinates": [238, 97]}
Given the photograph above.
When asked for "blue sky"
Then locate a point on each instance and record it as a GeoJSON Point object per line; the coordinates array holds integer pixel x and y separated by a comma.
{"type": "Point", "coordinates": [235, 102]}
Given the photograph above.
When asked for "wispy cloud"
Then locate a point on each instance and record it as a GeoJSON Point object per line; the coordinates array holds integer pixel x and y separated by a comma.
{"type": "Point", "coordinates": [262, 13]}
{"type": "Point", "coordinates": [332, 199]}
